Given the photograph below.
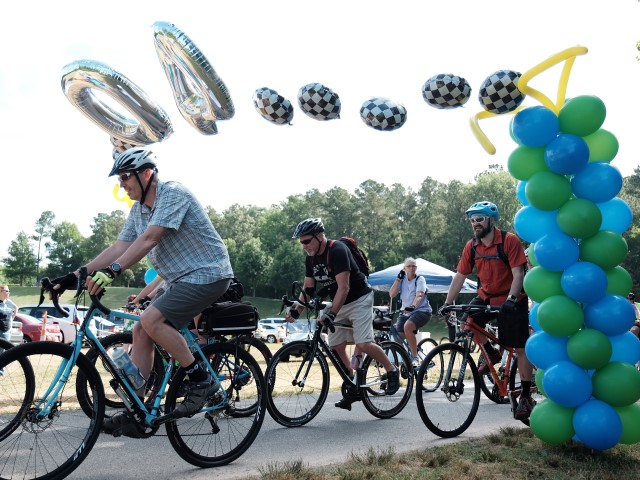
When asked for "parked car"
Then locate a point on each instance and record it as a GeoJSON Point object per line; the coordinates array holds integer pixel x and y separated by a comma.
{"type": "Point", "coordinates": [273, 321]}
{"type": "Point", "coordinates": [268, 333]}
{"type": "Point", "coordinates": [16, 333]}
{"type": "Point", "coordinates": [32, 329]}
{"type": "Point", "coordinates": [304, 331]}
{"type": "Point", "coordinates": [67, 324]}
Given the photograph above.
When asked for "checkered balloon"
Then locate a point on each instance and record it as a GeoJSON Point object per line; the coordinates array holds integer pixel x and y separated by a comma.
{"type": "Point", "coordinates": [383, 114]}
{"type": "Point", "coordinates": [446, 90]}
{"type": "Point", "coordinates": [499, 92]}
{"type": "Point", "coordinates": [272, 106]}
{"type": "Point", "coordinates": [119, 146]}
{"type": "Point", "coordinates": [319, 102]}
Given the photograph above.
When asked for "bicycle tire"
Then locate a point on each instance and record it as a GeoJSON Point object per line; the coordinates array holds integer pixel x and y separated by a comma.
{"type": "Point", "coordinates": [427, 385]}
{"type": "Point", "coordinates": [113, 403]}
{"type": "Point", "coordinates": [18, 387]}
{"type": "Point", "coordinates": [288, 403]}
{"type": "Point", "coordinates": [444, 340]}
{"type": "Point", "coordinates": [52, 446]}
{"type": "Point", "coordinates": [490, 389]}
{"type": "Point", "coordinates": [253, 343]}
{"type": "Point", "coordinates": [430, 342]}
{"type": "Point", "coordinates": [374, 398]}
{"type": "Point", "coordinates": [232, 434]}
{"type": "Point", "coordinates": [445, 411]}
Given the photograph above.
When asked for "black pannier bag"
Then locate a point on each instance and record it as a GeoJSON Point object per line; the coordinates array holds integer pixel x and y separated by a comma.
{"type": "Point", "coordinates": [228, 318]}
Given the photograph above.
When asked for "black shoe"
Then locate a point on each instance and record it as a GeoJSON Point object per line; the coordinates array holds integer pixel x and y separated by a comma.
{"type": "Point", "coordinates": [197, 395]}
{"type": "Point", "coordinates": [345, 402]}
{"type": "Point", "coordinates": [121, 423]}
{"type": "Point", "coordinates": [393, 382]}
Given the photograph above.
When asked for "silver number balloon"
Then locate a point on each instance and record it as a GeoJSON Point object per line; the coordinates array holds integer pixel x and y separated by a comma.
{"type": "Point", "coordinates": [150, 123]}
{"type": "Point", "coordinates": [199, 93]}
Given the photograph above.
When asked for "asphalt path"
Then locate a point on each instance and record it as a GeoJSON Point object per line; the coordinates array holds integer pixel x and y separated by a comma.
{"type": "Point", "coordinates": [328, 439]}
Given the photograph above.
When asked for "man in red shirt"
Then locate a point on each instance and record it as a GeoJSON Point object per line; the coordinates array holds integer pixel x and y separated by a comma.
{"type": "Point", "coordinates": [501, 277]}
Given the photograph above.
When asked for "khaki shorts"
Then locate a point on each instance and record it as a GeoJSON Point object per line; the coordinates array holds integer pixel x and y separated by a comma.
{"type": "Point", "coordinates": [358, 314]}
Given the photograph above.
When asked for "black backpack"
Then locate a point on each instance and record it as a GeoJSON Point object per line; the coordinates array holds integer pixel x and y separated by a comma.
{"type": "Point", "coordinates": [359, 256]}
{"type": "Point", "coordinates": [234, 293]}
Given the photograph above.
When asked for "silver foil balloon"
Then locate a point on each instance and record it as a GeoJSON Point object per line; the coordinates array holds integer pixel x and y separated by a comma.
{"type": "Point", "coordinates": [199, 93]}
{"type": "Point", "coordinates": [147, 123]}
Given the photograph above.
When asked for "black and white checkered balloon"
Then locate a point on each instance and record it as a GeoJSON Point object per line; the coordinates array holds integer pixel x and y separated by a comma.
{"type": "Point", "coordinates": [119, 146]}
{"type": "Point", "coordinates": [383, 114]}
{"type": "Point", "coordinates": [319, 102]}
{"type": "Point", "coordinates": [499, 92]}
{"type": "Point", "coordinates": [272, 106]}
{"type": "Point", "coordinates": [446, 90]}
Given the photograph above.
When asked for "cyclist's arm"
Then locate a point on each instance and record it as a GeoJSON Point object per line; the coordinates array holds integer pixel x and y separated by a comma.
{"type": "Point", "coordinates": [518, 279]}
{"type": "Point", "coordinates": [455, 287]}
{"type": "Point", "coordinates": [342, 279]}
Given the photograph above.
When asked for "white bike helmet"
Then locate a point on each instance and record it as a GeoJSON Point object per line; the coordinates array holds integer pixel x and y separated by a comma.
{"type": "Point", "coordinates": [135, 159]}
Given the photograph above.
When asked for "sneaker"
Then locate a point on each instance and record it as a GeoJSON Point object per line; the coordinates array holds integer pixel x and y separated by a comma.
{"type": "Point", "coordinates": [345, 402]}
{"type": "Point", "coordinates": [392, 379]}
{"type": "Point", "coordinates": [415, 363]}
{"type": "Point", "coordinates": [483, 368]}
{"type": "Point", "coordinates": [122, 423]}
{"type": "Point", "coordinates": [196, 397]}
{"type": "Point", "coordinates": [523, 410]}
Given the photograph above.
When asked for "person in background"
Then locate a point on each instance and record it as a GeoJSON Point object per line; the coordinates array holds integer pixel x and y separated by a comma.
{"type": "Point", "coordinates": [351, 297]}
{"type": "Point", "coordinates": [500, 285]}
{"type": "Point", "coordinates": [636, 325]}
{"type": "Point", "coordinates": [417, 310]}
{"type": "Point", "coordinates": [8, 311]}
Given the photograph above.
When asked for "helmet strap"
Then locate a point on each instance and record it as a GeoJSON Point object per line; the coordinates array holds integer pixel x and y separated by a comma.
{"type": "Point", "coordinates": [145, 190]}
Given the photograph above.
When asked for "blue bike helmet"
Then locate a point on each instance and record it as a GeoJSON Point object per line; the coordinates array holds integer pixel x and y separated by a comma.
{"type": "Point", "coordinates": [310, 226]}
{"type": "Point", "coordinates": [483, 208]}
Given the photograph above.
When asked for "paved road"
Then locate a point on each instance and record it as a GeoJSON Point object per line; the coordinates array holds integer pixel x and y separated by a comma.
{"type": "Point", "coordinates": [328, 439]}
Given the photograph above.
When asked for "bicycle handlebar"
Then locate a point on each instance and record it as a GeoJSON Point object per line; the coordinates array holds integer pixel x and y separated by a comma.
{"type": "Point", "coordinates": [314, 304]}
{"type": "Point", "coordinates": [449, 310]}
{"type": "Point", "coordinates": [47, 285]}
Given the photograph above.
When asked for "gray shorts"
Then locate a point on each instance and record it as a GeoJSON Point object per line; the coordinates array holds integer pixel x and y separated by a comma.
{"type": "Point", "coordinates": [359, 314]}
{"type": "Point", "coordinates": [419, 319]}
{"type": "Point", "coordinates": [181, 301]}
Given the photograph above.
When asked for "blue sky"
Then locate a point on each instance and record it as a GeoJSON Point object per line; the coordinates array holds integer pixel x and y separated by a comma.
{"type": "Point", "coordinates": [56, 159]}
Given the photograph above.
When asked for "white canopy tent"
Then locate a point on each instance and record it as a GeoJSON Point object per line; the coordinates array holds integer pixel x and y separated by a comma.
{"type": "Point", "coordinates": [438, 278]}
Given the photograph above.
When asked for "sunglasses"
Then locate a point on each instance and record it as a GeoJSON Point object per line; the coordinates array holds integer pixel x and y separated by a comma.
{"type": "Point", "coordinates": [123, 177]}
{"type": "Point", "coordinates": [477, 219]}
{"type": "Point", "coordinates": [307, 241]}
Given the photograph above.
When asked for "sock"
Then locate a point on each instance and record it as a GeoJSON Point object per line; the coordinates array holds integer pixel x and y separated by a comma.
{"type": "Point", "coordinates": [196, 372]}
{"type": "Point", "coordinates": [526, 388]}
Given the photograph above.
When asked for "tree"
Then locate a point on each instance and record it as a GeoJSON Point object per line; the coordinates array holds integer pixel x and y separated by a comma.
{"type": "Point", "coordinates": [104, 231]}
{"type": "Point", "coordinates": [252, 263]}
{"type": "Point", "coordinates": [20, 265]}
{"type": "Point", "coordinates": [65, 252]}
{"type": "Point", "coordinates": [44, 228]}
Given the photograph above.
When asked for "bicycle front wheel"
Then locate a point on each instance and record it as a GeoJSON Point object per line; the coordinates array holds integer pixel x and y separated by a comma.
{"type": "Point", "coordinates": [449, 409]}
{"type": "Point", "coordinates": [217, 435]}
{"type": "Point", "coordinates": [375, 398]}
{"type": "Point", "coordinates": [297, 384]}
{"type": "Point", "coordinates": [51, 440]}
{"type": "Point", "coordinates": [18, 385]}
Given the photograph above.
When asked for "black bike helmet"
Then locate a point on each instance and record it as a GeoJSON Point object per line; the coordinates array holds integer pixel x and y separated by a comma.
{"type": "Point", "coordinates": [135, 159]}
{"type": "Point", "coordinates": [310, 226]}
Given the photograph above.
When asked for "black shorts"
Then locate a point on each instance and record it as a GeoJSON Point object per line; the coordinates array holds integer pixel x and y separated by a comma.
{"type": "Point", "coordinates": [513, 329]}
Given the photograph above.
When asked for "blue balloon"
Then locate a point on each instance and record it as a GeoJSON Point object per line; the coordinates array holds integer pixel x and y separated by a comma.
{"type": "Point", "coordinates": [612, 315]}
{"type": "Point", "coordinates": [567, 384]}
{"type": "Point", "coordinates": [616, 215]}
{"type": "Point", "coordinates": [584, 282]}
{"type": "Point", "coordinates": [597, 424]}
{"type": "Point", "coordinates": [597, 181]}
{"type": "Point", "coordinates": [522, 198]}
{"type": "Point", "coordinates": [556, 251]}
{"type": "Point", "coordinates": [535, 126]}
{"type": "Point", "coordinates": [543, 349]}
{"type": "Point", "coordinates": [149, 275]}
{"type": "Point", "coordinates": [626, 348]}
{"type": "Point", "coordinates": [567, 154]}
{"type": "Point", "coordinates": [533, 317]}
{"type": "Point", "coordinates": [531, 223]}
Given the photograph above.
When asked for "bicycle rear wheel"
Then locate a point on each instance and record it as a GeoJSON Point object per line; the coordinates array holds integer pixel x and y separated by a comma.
{"type": "Point", "coordinates": [54, 443]}
{"type": "Point", "coordinates": [294, 399]}
{"type": "Point", "coordinates": [375, 398]}
{"type": "Point", "coordinates": [219, 436]}
{"type": "Point", "coordinates": [432, 375]}
{"type": "Point", "coordinates": [448, 410]}
{"type": "Point", "coordinates": [17, 385]}
{"type": "Point", "coordinates": [256, 348]}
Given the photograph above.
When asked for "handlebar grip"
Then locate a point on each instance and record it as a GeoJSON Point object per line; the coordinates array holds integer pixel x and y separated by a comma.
{"type": "Point", "coordinates": [329, 324]}
{"type": "Point", "coordinates": [46, 285]}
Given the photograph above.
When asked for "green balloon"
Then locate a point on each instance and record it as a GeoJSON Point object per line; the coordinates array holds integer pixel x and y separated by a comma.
{"type": "Point", "coordinates": [560, 316]}
{"type": "Point", "coordinates": [525, 161]}
{"type": "Point", "coordinates": [603, 146]}
{"type": "Point", "coordinates": [589, 349]}
{"type": "Point", "coordinates": [619, 281]}
{"type": "Point", "coordinates": [630, 417]}
{"type": "Point", "coordinates": [606, 249]}
{"type": "Point", "coordinates": [538, 379]}
{"type": "Point", "coordinates": [532, 257]}
{"type": "Point", "coordinates": [582, 115]}
{"type": "Point", "coordinates": [540, 283]}
{"type": "Point", "coordinates": [547, 190]}
{"type": "Point", "coordinates": [552, 423]}
{"type": "Point", "coordinates": [579, 218]}
{"type": "Point", "coordinates": [617, 383]}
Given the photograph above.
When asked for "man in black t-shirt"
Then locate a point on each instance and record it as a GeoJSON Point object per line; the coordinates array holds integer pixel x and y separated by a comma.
{"type": "Point", "coordinates": [330, 264]}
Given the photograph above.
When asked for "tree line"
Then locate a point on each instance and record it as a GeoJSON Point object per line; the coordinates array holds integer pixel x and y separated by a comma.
{"type": "Point", "coordinates": [389, 223]}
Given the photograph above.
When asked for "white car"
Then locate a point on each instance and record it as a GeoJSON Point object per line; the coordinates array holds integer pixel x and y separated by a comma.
{"type": "Point", "coordinates": [268, 333]}
{"type": "Point", "coordinates": [68, 325]}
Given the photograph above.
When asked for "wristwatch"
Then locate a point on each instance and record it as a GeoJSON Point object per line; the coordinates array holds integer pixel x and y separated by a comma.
{"type": "Point", "coordinates": [116, 268]}
{"type": "Point", "coordinates": [513, 298]}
